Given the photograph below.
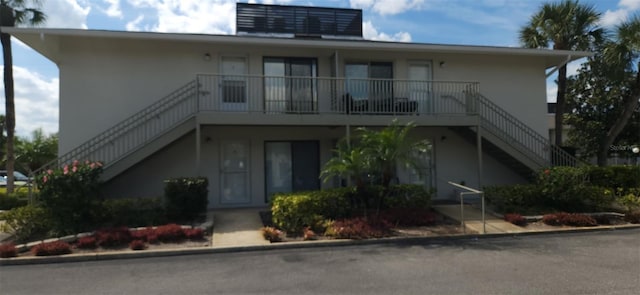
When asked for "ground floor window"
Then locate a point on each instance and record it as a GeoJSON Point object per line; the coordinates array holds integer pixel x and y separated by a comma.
{"type": "Point", "coordinates": [423, 174]}
{"type": "Point", "coordinates": [291, 166]}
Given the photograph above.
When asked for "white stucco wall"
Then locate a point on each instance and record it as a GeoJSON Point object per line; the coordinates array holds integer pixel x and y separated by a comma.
{"type": "Point", "coordinates": [455, 160]}
{"type": "Point", "coordinates": [103, 81]}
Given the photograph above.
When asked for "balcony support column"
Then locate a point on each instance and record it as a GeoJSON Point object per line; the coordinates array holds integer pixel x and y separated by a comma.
{"type": "Point", "coordinates": [479, 148]}
{"type": "Point", "coordinates": [198, 148]}
{"type": "Point", "coordinates": [348, 135]}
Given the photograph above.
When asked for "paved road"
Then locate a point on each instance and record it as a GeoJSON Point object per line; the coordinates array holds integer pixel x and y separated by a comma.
{"type": "Point", "coordinates": [586, 263]}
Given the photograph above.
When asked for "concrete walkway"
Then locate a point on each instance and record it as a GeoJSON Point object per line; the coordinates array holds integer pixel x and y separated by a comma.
{"type": "Point", "coordinates": [237, 227]}
{"type": "Point", "coordinates": [473, 220]}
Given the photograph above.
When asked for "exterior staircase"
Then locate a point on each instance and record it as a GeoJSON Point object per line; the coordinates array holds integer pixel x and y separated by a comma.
{"type": "Point", "coordinates": [512, 142]}
{"type": "Point", "coordinates": [168, 119]}
{"type": "Point", "coordinates": [139, 135]}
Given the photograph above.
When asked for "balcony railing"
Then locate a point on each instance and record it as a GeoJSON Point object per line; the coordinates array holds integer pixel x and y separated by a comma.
{"type": "Point", "coordinates": [319, 95]}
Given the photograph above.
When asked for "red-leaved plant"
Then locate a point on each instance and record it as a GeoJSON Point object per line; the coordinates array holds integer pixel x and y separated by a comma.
{"type": "Point", "coordinates": [88, 242]}
{"type": "Point", "coordinates": [137, 245]}
{"type": "Point", "coordinates": [8, 250]}
{"type": "Point", "coordinates": [515, 218]}
{"type": "Point", "coordinates": [51, 248]}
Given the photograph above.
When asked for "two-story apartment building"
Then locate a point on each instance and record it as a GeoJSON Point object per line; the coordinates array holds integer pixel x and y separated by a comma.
{"type": "Point", "coordinates": [260, 111]}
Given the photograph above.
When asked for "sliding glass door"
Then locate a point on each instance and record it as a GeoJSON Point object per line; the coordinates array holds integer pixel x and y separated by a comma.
{"type": "Point", "coordinates": [369, 84]}
{"type": "Point", "coordinates": [291, 166]}
{"type": "Point", "coordinates": [290, 84]}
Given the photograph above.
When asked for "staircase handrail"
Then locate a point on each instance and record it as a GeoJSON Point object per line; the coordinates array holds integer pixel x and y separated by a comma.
{"type": "Point", "coordinates": [179, 95]}
{"type": "Point", "coordinates": [541, 148]}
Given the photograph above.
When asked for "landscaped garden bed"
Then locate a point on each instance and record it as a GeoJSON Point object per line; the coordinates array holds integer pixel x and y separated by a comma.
{"type": "Point", "coordinates": [169, 236]}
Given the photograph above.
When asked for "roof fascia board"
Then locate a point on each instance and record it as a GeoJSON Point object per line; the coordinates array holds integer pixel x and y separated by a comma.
{"type": "Point", "coordinates": [323, 43]}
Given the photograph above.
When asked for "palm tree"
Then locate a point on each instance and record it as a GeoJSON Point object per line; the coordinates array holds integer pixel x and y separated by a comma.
{"type": "Point", "coordinates": [622, 54]}
{"type": "Point", "coordinates": [392, 146]}
{"type": "Point", "coordinates": [12, 13]}
{"type": "Point", "coordinates": [566, 25]}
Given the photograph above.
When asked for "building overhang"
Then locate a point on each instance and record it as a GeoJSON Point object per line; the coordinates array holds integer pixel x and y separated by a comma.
{"type": "Point", "coordinates": [47, 41]}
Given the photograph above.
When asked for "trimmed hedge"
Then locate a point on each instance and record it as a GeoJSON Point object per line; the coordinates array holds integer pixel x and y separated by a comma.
{"type": "Point", "coordinates": [186, 198]}
{"type": "Point", "coordinates": [27, 222]}
{"type": "Point", "coordinates": [292, 212]}
{"type": "Point", "coordinates": [408, 196]}
{"type": "Point", "coordinates": [133, 212]}
{"type": "Point", "coordinates": [8, 202]}
{"type": "Point", "coordinates": [567, 189]}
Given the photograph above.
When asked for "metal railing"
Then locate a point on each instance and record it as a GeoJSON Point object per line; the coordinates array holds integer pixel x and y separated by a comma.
{"type": "Point", "coordinates": [518, 135]}
{"type": "Point", "coordinates": [310, 95]}
{"type": "Point", "coordinates": [323, 95]}
{"type": "Point", "coordinates": [135, 131]}
{"type": "Point", "coordinates": [469, 191]}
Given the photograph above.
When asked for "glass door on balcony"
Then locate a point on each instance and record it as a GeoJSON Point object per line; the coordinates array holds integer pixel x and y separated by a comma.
{"type": "Point", "coordinates": [369, 85]}
{"type": "Point", "coordinates": [233, 84]}
{"type": "Point", "coordinates": [420, 85]}
{"type": "Point", "coordinates": [290, 84]}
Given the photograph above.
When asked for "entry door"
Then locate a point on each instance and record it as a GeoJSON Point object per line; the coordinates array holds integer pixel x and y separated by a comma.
{"type": "Point", "coordinates": [233, 84]}
{"type": "Point", "coordinates": [420, 88]}
{"type": "Point", "coordinates": [234, 173]}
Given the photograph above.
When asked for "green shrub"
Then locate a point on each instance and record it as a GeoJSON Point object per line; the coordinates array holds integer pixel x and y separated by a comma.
{"type": "Point", "coordinates": [408, 196]}
{"type": "Point", "coordinates": [624, 177]}
{"type": "Point", "coordinates": [70, 194]}
{"type": "Point", "coordinates": [13, 201]}
{"type": "Point", "coordinates": [133, 212]}
{"type": "Point", "coordinates": [292, 212]}
{"type": "Point", "coordinates": [630, 200]}
{"type": "Point", "coordinates": [27, 222]}
{"type": "Point", "coordinates": [186, 198]}
{"type": "Point", "coordinates": [515, 198]}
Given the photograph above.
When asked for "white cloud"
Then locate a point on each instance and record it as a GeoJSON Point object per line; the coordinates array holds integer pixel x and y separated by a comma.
{"type": "Point", "coordinates": [66, 13]}
{"type": "Point", "coordinates": [134, 25]}
{"type": "Point", "coordinates": [387, 7]}
{"type": "Point", "coordinates": [371, 33]}
{"type": "Point", "coordinates": [612, 18]}
{"type": "Point", "coordinates": [114, 9]}
{"type": "Point", "coordinates": [193, 16]}
{"type": "Point", "coordinates": [36, 101]}
{"type": "Point", "coordinates": [630, 4]}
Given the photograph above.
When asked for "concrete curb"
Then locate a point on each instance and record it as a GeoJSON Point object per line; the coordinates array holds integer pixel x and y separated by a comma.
{"type": "Point", "coordinates": [295, 245]}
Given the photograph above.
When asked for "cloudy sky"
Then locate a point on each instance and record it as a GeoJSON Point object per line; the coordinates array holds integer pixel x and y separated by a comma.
{"type": "Point", "coordinates": [472, 22]}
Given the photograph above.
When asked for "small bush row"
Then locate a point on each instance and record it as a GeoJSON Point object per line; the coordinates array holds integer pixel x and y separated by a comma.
{"type": "Point", "coordinates": [633, 217]}
{"type": "Point", "coordinates": [51, 248]}
{"type": "Point", "coordinates": [570, 189]}
{"type": "Point", "coordinates": [186, 198]}
{"type": "Point", "coordinates": [571, 219]}
{"type": "Point", "coordinates": [8, 250]}
{"type": "Point", "coordinates": [15, 200]}
{"type": "Point", "coordinates": [119, 236]}
{"type": "Point", "coordinates": [272, 234]}
{"type": "Point", "coordinates": [516, 219]}
{"type": "Point", "coordinates": [359, 228]}
{"type": "Point", "coordinates": [295, 211]}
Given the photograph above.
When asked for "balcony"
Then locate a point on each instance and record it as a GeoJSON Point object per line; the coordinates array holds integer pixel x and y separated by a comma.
{"type": "Point", "coordinates": [272, 96]}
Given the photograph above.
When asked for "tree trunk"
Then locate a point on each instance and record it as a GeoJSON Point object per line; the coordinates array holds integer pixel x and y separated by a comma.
{"type": "Point", "coordinates": [10, 116]}
{"type": "Point", "coordinates": [630, 105]}
{"type": "Point", "coordinates": [560, 104]}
